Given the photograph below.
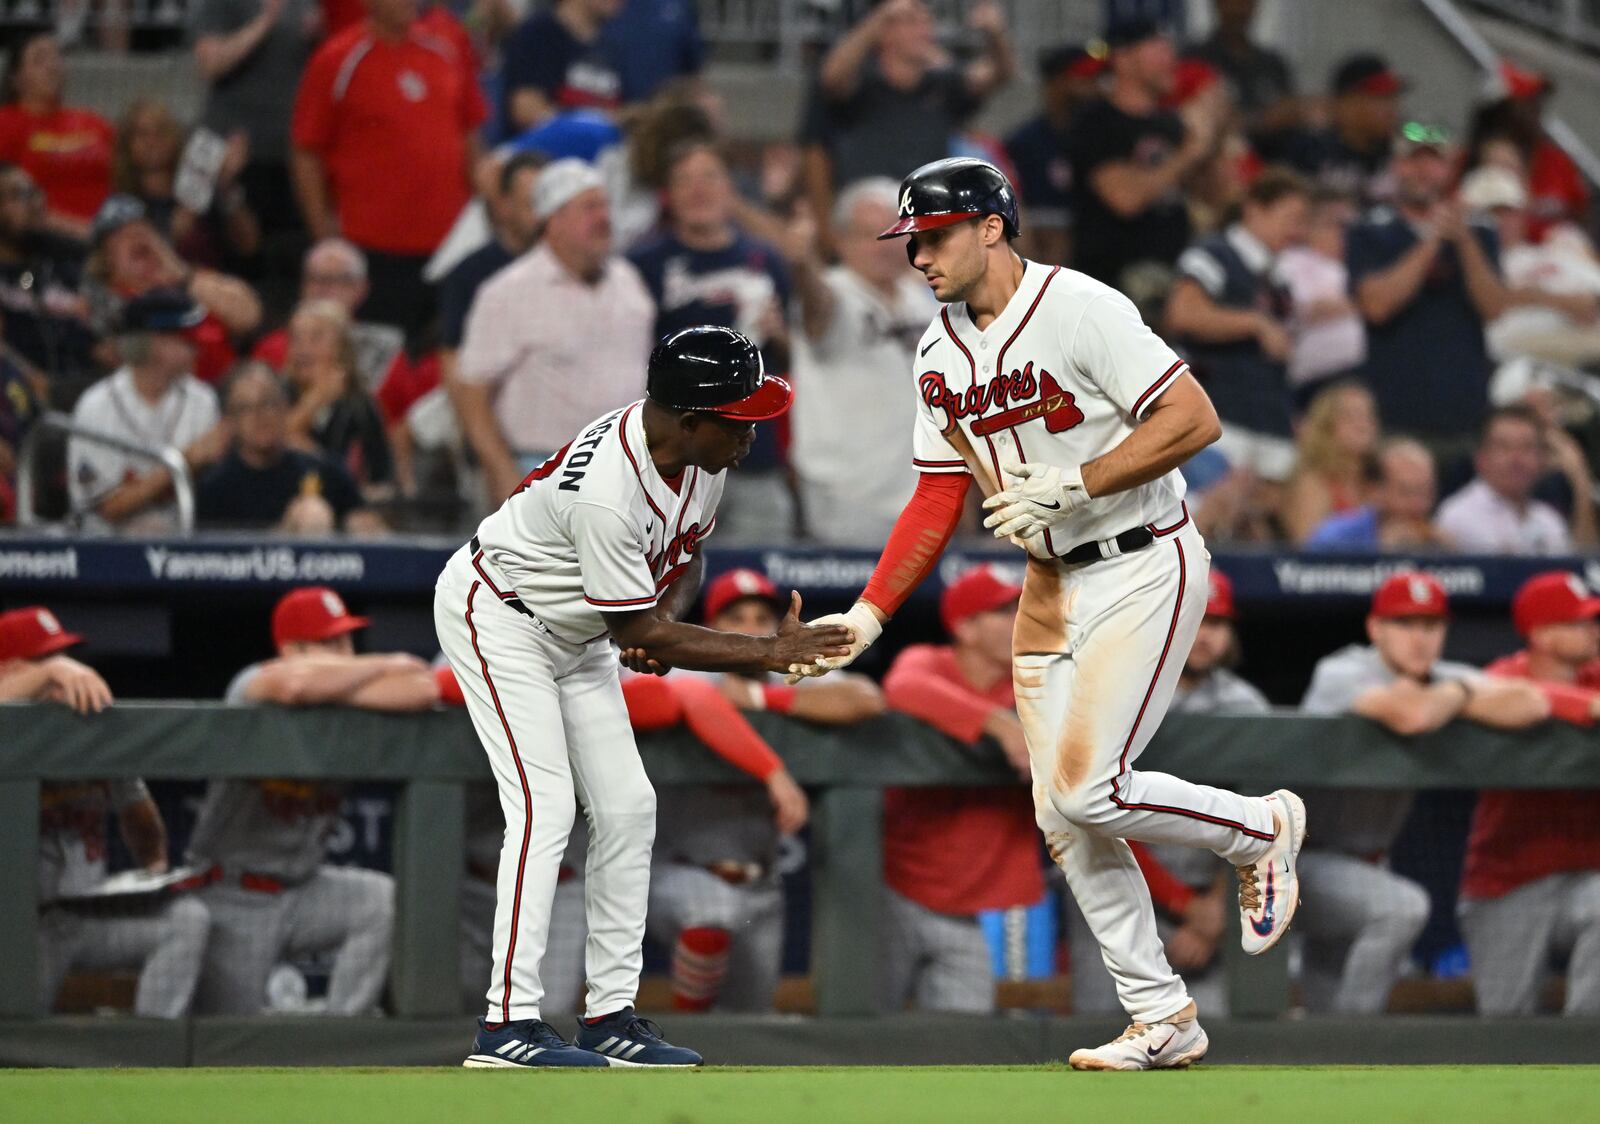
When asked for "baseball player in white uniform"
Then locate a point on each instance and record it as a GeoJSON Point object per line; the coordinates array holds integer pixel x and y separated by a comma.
{"type": "Point", "coordinates": [162, 936]}
{"type": "Point", "coordinates": [602, 541]}
{"type": "Point", "coordinates": [1073, 416]}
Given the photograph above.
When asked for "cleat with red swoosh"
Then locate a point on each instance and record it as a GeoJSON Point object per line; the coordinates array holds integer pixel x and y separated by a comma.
{"type": "Point", "coordinates": [1269, 889]}
{"type": "Point", "coordinates": [1174, 1044]}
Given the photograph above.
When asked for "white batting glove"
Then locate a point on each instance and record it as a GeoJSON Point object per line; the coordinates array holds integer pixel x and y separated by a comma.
{"type": "Point", "coordinates": [864, 628]}
{"type": "Point", "coordinates": [1039, 497]}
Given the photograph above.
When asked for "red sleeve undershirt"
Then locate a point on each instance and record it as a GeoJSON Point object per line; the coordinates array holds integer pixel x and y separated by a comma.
{"type": "Point", "coordinates": [918, 538]}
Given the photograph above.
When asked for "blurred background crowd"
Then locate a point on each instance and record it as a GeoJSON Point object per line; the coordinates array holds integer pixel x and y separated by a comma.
{"type": "Point", "coordinates": [405, 249]}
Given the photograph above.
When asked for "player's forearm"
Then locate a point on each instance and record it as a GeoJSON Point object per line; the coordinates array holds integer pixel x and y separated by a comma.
{"type": "Point", "coordinates": [680, 596]}
{"type": "Point", "coordinates": [315, 680]}
{"type": "Point", "coordinates": [917, 540]}
{"type": "Point", "coordinates": [1507, 704]}
{"type": "Point", "coordinates": [838, 701]}
{"type": "Point", "coordinates": [1167, 438]}
{"type": "Point", "coordinates": [23, 681]}
{"type": "Point", "coordinates": [958, 713]}
{"type": "Point", "coordinates": [399, 692]}
{"type": "Point", "coordinates": [145, 834]}
{"type": "Point", "coordinates": [690, 646]}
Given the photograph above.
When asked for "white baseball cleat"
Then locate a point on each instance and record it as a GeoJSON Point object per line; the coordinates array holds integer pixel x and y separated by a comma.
{"type": "Point", "coordinates": [1163, 1045]}
{"type": "Point", "coordinates": [1269, 889]}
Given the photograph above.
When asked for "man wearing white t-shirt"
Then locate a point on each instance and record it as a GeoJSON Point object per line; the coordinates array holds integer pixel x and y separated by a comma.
{"type": "Point", "coordinates": [853, 412]}
{"type": "Point", "coordinates": [555, 339]}
{"type": "Point", "coordinates": [152, 400]}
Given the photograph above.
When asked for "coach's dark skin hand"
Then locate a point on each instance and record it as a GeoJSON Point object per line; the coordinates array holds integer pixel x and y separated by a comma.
{"type": "Point", "coordinates": [646, 637]}
{"type": "Point", "coordinates": [638, 660]}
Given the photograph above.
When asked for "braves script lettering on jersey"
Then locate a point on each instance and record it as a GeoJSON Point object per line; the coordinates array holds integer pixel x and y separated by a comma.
{"type": "Point", "coordinates": [519, 613]}
{"type": "Point", "coordinates": [1067, 352]}
{"type": "Point", "coordinates": [1063, 375]}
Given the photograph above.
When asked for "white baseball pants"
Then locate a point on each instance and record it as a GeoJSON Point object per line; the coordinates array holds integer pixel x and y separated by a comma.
{"type": "Point", "coordinates": [550, 716]}
{"type": "Point", "coordinates": [1098, 649]}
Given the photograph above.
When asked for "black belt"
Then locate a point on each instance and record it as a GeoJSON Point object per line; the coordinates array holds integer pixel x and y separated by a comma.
{"type": "Point", "coordinates": [1127, 543]}
{"type": "Point", "coordinates": [511, 602]}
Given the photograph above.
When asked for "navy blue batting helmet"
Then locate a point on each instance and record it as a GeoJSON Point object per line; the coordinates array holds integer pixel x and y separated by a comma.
{"type": "Point", "coordinates": [949, 191]}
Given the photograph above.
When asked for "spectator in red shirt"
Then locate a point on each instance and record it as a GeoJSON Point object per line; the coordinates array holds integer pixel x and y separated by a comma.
{"type": "Point", "coordinates": [384, 141]}
{"type": "Point", "coordinates": [129, 258]}
{"type": "Point", "coordinates": [1531, 881]}
{"type": "Point", "coordinates": [1557, 192]}
{"type": "Point", "coordinates": [950, 853]}
{"type": "Point", "coordinates": [67, 151]}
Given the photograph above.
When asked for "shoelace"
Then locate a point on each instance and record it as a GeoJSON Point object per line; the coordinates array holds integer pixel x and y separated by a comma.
{"type": "Point", "coordinates": [1134, 1031]}
{"type": "Point", "coordinates": [1249, 890]}
{"type": "Point", "coordinates": [644, 1028]}
{"type": "Point", "coordinates": [543, 1034]}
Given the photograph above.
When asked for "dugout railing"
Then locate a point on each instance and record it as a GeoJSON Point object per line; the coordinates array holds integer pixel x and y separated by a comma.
{"type": "Point", "coordinates": [431, 757]}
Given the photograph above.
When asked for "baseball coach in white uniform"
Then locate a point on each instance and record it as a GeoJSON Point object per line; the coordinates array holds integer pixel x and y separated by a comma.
{"type": "Point", "coordinates": [601, 542]}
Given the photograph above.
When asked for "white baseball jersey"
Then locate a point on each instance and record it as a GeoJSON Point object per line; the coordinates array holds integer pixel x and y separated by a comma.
{"type": "Point", "coordinates": [1060, 377]}
{"type": "Point", "coordinates": [596, 528]}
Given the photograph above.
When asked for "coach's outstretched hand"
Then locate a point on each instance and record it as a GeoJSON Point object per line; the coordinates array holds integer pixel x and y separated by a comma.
{"type": "Point", "coordinates": [865, 626]}
{"type": "Point", "coordinates": [826, 642]}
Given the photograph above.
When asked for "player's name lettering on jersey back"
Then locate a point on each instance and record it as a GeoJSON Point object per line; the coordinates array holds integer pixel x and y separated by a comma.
{"type": "Point", "coordinates": [571, 467]}
{"type": "Point", "coordinates": [1055, 405]}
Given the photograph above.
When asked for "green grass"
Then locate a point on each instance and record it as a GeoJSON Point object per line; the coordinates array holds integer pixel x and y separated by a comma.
{"type": "Point", "coordinates": [831, 1095]}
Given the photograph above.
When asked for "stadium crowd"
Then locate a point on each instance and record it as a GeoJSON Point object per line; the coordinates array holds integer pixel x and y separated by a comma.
{"type": "Point", "coordinates": [458, 240]}
{"type": "Point", "coordinates": [374, 305]}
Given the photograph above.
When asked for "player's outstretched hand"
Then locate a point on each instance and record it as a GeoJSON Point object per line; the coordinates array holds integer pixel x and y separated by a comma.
{"type": "Point", "coordinates": [637, 659]}
{"type": "Point", "coordinates": [1037, 497]}
{"type": "Point", "coordinates": [825, 643]}
{"type": "Point", "coordinates": [865, 626]}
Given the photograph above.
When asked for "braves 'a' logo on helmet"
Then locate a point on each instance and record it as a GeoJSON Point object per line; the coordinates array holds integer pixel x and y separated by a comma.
{"type": "Point", "coordinates": [905, 201]}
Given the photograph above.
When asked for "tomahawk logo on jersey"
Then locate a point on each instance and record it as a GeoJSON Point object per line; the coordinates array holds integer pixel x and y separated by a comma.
{"type": "Point", "coordinates": [1061, 376]}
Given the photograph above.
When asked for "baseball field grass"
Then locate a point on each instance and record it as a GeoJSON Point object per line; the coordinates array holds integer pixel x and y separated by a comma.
{"type": "Point", "coordinates": [823, 1095]}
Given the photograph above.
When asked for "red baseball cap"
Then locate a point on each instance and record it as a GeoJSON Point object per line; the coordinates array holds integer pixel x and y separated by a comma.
{"type": "Point", "coordinates": [1553, 597]}
{"type": "Point", "coordinates": [1410, 593]}
{"type": "Point", "coordinates": [27, 634]}
{"type": "Point", "coordinates": [1519, 84]}
{"type": "Point", "coordinates": [1219, 602]}
{"type": "Point", "coordinates": [312, 613]}
{"type": "Point", "coordinates": [736, 585]}
{"type": "Point", "coordinates": [979, 590]}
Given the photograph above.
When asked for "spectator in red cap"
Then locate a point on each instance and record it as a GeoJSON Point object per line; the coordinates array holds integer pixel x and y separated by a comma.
{"type": "Point", "coordinates": [1132, 159]}
{"type": "Point", "coordinates": [163, 937]}
{"type": "Point", "coordinates": [951, 853]}
{"type": "Point", "coordinates": [276, 893]}
{"type": "Point", "coordinates": [1514, 113]}
{"type": "Point", "coordinates": [1530, 885]}
{"type": "Point", "coordinates": [715, 897]}
{"type": "Point", "coordinates": [1359, 918]}
{"type": "Point", "coordinates": [1352, 154]}
{"type": "Point", "coordinates": [1069, 79]}
{"type": "Point", "coordinates": [1189, 887]}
